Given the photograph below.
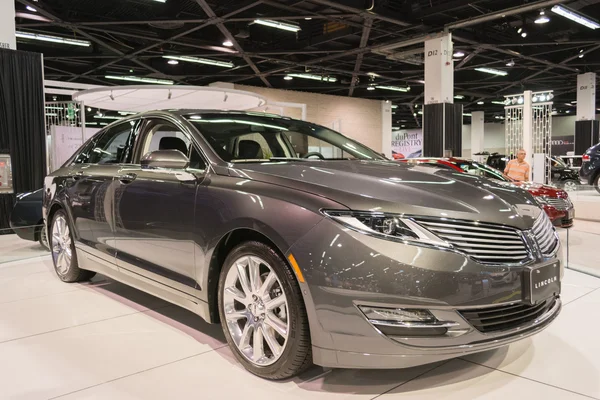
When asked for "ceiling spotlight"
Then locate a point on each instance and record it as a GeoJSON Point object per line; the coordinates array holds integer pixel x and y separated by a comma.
{"type": "Point", "coordinates": [288, 78]}
{"type": "Point", "coordinates": [568, 111]}
{"type": "Point", "coordinates": [519, 30]}
{"type": "Point", "coordinates": [581, 53]}
{"type": "Point", "coordinates": [228, 43]}
{"type": "Point", "coordinates": [459, 96]}
{"type": "Point", "coordinates": [314, 77]}
{"type": "Point", "coordinates": [511, 63]}
{"type": "Point", "coordinates": [31, 9]}
{"type": "Point", "coordinates": [173, 62]}
{"type": "Point", "coordinates": [520, 100]}
{"type": "Point", "coordinates": [542, 97]}
{"type": "Point", "coordinates": [535, 99]}
{"type": "Point", "coordinates": [480, 102]}
{"type": "Point", "coordinates": [459, 54]}
{"type": "Point", "coordinates": [371, 88]}
{"type": "Point", "coordinates": [89, 109]}
{"type": "Point", "coordinates": [507, 102]}
{"type": "Point", "coordinates": [550, 96]}
{"type": "Point", "coordinates": [523, 34]}
{"type": "Point", "coordinates": [576, 17]}
{"type": "Point", "coordinates": [542, 19]}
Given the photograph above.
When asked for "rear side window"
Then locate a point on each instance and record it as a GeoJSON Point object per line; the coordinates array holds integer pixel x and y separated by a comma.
{"type": "Point", "coordinates": [113, 146]}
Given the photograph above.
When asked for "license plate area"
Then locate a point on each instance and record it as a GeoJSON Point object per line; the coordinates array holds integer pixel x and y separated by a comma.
{"type": "Point", "coordinates": [541, 282]}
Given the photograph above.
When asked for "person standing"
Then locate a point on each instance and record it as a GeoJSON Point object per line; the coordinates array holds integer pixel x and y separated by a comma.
{"type": "Point", "coordinates": [518, 169]}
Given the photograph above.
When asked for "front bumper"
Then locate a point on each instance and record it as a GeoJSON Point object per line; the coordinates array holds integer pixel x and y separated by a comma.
{"type": "Point", "coordinates": [344, 269]}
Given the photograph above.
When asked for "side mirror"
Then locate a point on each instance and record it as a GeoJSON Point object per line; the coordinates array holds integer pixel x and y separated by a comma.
{"type": "Point", "coordinates": [172, 159]}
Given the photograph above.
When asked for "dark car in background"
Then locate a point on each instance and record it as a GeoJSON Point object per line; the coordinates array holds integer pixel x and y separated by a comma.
{"type": "Point", "coordinates": [589, 173]}
{"type": "Point", "coordinates": [305, 245]}
{"type": "Point", "coordinates": [554, 201]}
{"type": "Point", "coordinates": [26, 218]}
{"type": "Point", "coordinates": [562, 175]}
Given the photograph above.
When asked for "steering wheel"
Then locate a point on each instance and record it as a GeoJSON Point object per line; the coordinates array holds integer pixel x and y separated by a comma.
{"type": "Point", "coordinates": [314, 153]}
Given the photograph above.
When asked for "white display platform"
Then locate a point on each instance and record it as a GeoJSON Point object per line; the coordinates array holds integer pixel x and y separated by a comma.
{"type": "Point", "coordinates": [587, 204]}
{"type": "Point", "coordinates": [151, 97]}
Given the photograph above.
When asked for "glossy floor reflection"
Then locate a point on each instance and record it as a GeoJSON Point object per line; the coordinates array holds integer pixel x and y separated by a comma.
{"type": "Point", "coordinates": [104, 340]}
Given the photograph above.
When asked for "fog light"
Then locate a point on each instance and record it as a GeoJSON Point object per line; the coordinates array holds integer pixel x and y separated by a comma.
{"type": "Point", "coordinates": [397, 315]}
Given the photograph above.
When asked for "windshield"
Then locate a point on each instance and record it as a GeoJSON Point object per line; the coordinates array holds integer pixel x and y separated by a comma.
{"type": "Point", "coordinates": [259, 138]}
{"type": "Point", "coordinates": [475, 168]}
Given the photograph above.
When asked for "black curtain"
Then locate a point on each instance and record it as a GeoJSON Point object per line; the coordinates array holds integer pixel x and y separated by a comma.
{"type": "Point", "coordinates": [22, 128]}
{"type": "Point", "coordinates": [586, 135]}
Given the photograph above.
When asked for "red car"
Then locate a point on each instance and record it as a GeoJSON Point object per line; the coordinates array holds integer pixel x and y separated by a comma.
{"type": "Point", "coordinates": [554, 201]}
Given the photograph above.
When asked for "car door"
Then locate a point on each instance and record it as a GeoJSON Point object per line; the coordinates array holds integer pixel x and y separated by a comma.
{"type": "Point", "coordinates": [154, 210]}
{"type": "Point", "coordinates": [90, 185]}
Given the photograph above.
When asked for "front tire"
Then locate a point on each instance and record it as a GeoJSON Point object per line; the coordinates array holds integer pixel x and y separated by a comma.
{"type": "Point", "coordinates": [43, 238]}
{"type": "Point", "coordinates": [597, 183]}
{"type": "Point", "coordinates": [62, 247]}
{"type": "Point", "coordinates": [570, 185]}
{"type": "Point", "coordinates": [262, 312]}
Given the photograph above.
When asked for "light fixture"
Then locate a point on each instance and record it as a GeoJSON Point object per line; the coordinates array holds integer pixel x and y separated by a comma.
{"type": "Point", "coordinates": [534, 99]}
{"type": "Point", "coordinates": [513, 100]}
{"type": "Point", "coordinates": [53, 39]}
{"type": "Point", "coordinates": [568, 111]}
{"type": "Point", "coordinates": [278, 24]}
{"type": "Point", "coordinates": [523, 34]}
{"type": "Point", "coordinates": [91, 123]}
{"type": "Point", "coordinates": [173, 62]}
{"type": "Point", "coordinates": [140, 79]}
{"type": "Point", "coordinates": [31, 9]}
{"type": "Point", "coordinates": [498, 102]}
{"type": "Point", "coordinates": [480, 102]}
{"type": "Point", "coordinates": [492, 71]}
{"type": "Point", "coordinates": [520, 100]}
{"type": "Point", "coordinates": [402, 126]}
{"type": "Point", "coordinates": [550, 96]}
{"type": "Point", "coordinates": [511, 63]}
{"type": "Point", "coordinates": [127, 112]}
{"type": "Point", "coordinates": [394, 88]}
{"type": "Point", "coordinates": [519, 30]}
{"type": "Point", "coordinates": [308, 18]}
{"type": "Point", "coordinates": [198, 60]}
{"type": "Point", "coordinates": [459, 96]}
{"type": "Point", "coordinates": [314, 77]}
{"type": "Point", "coordinates": [89, 109]}
{"type": "Point", "coordinates": [288, 78]}
{"type": "Point", "coordinates": [573, 16]}
{"type": "Point", "coordinates": [421, 81]}
{"type": "Point", "coordinates": [54, 108]}
{"type": "Point", "coordinates": [228, 43]}
{"type": "Point", "coordinates": [394, 106]}
{"type": "Point", "coordinates": [542, 19]}
{"type": "Point", "coordinates": [581, 53]}
{"type": "Point", "coordinates": [466, 114]}
{"type": "Point", "coordinates": [458, 54]}
{"type": "Point", "coordinates": [51, 115]}
{"type": "Point", "coordinates": [542, 97]}
{"type": "Point", "coordinates": [371, 88]}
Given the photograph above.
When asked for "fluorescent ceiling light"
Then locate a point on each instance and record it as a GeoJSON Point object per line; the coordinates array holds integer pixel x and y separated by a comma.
{"type": "Point", "coordinates": [288, 78]}
{"type": "Point", "coordinates": [459, 96]}
{"type": "Point", "coordinates": [228, 43]}
{"type": "Point", "coordinates": [127, 112]}
{"type": "Point", "coordinates": [498, 102]}
{"type": "Point", "coordinates": [394, 106]}
{"type": "Point", "coordinates": [542, 19]}
{"type": "Point", "coordinates": [394, 88]}
{"type": "Point", "coordinates": [31, 9]}
{"type": "Point", "coordinates": [576, 17]}
{"type": "Point", "coordinates": [173, 62]}
{"type": "Point", "coordinates": [140, 79]}
{"type": "Point", "coordinates": [107, 117]}
{"type": "Point", "coordinates": [198, 60]}
{"type": "Point", "coordinates": [277, 24]}
{"type": "Point", "coordinates": [459, 54]}
{"type": "Point", "coordinates": [91, 123]}
{"type": "Point", "coordinates": [480, 102]}
{"type": "Point", "coordinates": [53, 39]}
{"type": "Point", "coordinates": [314, 77]}
{"type": "Point", "coordinates": [491, 71]}
{"type": "Point", "coordinates": [466, 114]}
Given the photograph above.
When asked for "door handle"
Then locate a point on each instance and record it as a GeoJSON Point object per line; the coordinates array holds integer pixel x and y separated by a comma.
{"type": "Point", "coordinates": [77, 176]}
{"type": "Point", "coordinates": [127, 178]}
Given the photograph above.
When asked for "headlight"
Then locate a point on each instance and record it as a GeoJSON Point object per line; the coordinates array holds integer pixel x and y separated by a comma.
{"type": "Point", "coordinates": [386, 226]}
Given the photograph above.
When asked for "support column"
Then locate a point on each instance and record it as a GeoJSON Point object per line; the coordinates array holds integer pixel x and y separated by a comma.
{"type": "Point", "coordinates": [7, 25]}
{"type": "Point", "coordinates": [386, 129]}
{"type": "Point", "coordinates": [477, 143]}
{"type": "Point", "coordinates": [528, 130]}
{"type": "Point", "coordinates": [586, 126]}
{"type": "Point", "coordinates": [442, 119]}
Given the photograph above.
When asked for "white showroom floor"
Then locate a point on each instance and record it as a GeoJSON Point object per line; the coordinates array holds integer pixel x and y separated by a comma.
{"type": "Point", "coordinates": [104, 340]}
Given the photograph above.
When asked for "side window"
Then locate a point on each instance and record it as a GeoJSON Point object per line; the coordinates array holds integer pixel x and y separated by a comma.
{"type": "Point", "coordinates": [163, 135]}
{"type": "Point", "coordinates": [112, 146]}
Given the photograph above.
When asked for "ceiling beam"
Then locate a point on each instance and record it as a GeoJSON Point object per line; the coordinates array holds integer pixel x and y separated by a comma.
{"type": "Point", "coordinates": [221, 26]}
{"type": "Point", "coordinates": [362, 13]}
{"type": "Point", "coordinates": [359, 58]}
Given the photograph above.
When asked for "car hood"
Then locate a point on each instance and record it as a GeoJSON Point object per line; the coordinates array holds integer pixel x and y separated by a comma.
{"type": "Point", "coordinates": [403, 189]}
{"type": "Point", "coordinates": [538, 189]}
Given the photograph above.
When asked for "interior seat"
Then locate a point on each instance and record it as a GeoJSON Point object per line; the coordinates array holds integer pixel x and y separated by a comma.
{"type": "Point", "coordinates": [249, 150]}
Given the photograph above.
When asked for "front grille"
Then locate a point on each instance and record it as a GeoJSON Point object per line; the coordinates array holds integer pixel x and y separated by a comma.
{"type": "Point", "coordinates": [485, 243]}
{"type": "Point", "coordinates": [506, 317]}
{"type": "Point", "coordinates": [545, 235]}
{"type": "Point", "coordinates": [559, 203]}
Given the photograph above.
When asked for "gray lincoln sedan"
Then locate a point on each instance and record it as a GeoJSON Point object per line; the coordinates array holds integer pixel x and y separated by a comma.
{"type": "Point", "coordinates": [306, 246]}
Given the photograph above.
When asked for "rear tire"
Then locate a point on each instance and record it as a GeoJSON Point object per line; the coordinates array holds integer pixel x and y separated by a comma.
{"type": "Point", "coordinates": [596, 183]}
{"type": "Point", "coordinates": [62, 247]}
{"type": "Point", "coordinates": [43, 238]}
{"type": "Point", "coordinates": [253, 278]}
{"type": "Point", "coordinates": [570, 185]}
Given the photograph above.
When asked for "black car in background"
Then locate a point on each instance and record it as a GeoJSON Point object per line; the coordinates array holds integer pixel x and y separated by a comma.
{"type": "Point", "coordinates": [562, 175]}
{"type": "Point", "coordinates": [589, 173]}
{"type": "Point", "coordinates": [26, 218]}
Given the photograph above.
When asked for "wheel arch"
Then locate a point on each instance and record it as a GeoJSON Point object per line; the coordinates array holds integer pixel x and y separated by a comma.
{"type": "Point", "coordinates": [222, 249]}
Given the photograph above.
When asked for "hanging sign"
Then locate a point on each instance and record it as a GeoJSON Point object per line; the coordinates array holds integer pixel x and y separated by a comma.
{"type": "Point", "coordinates": [407, 144]}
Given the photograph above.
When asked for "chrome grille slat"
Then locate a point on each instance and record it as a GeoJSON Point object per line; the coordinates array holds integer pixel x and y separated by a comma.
{"type": "Point", "coordinates": [559, 203]}
{"type": "Point", "coordinates": [483, 242]}
{"type": "Point", "coordinates": [545, 235]}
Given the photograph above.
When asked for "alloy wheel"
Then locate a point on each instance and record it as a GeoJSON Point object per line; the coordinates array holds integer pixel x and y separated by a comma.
{"type": "Point", "coordinates": [256, 310]}
{"type": "Point", "coordinates": [61, 245]}
{"type": "Point", "coordinates": [570, 186]}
